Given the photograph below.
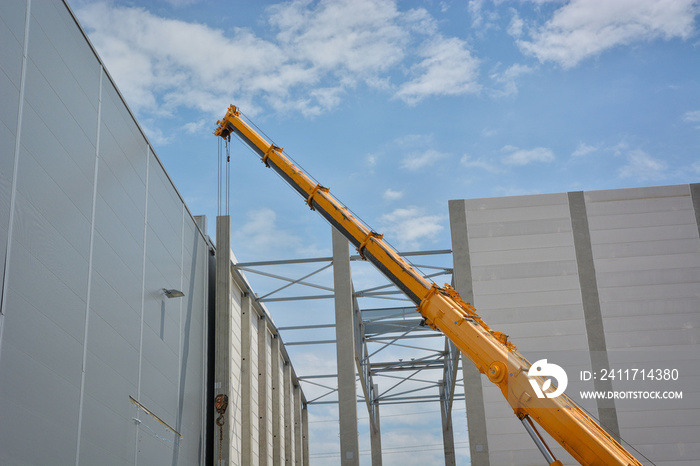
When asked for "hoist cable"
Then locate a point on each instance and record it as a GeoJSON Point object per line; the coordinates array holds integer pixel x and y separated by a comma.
{"type": "Point", "coordinates": [218, 181]}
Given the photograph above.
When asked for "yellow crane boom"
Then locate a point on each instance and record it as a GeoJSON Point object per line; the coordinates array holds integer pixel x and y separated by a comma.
{"type": "Point", "coordinates": [444, 310]}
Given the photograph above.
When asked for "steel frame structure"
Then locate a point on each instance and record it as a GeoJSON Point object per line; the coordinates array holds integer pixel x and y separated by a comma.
{"type": "Point", "coordinates": [429, 372]}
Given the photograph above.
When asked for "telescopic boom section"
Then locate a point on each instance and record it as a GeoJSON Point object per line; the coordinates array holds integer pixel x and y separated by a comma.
{"type": "Point", "coordinates": [443, 309]}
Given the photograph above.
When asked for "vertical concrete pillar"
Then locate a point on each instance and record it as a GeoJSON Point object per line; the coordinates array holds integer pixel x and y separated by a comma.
{"type": "Point", "coordinates": [222, 343]}
{"type": "Point", "coordinates": [305, 432]}
{"type": "Point", "coordinates": [249, 400]}
{"type": "Point", "coordinates": [448, 440]}
{"type": "Point", "coordinates": [264, 396]}
{"type": "Point", "coordinates": [607, 413]}
{"type": "Point", "coordinates": [288, 415]}
{"type": "Point", "coordinates": [345, 352]}
{"type": "Point", "coordinates": [298, 434]}
{"type": "Point", "coordinates": [473, 392]}
{"type": "Point", "coordinates": [376, 434]}
{"type": "Point", "coordinates": [277, 403]}
{"type": "Point", "coordinates": [695, 198]}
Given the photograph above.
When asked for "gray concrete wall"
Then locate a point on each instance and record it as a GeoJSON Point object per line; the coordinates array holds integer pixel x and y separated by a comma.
{"type": "Point", "coordinates": [647, 256]}
{"type": "Point", "coordinates": [589, 280]}
{"type": "Point", "coordinates": [91, 230]}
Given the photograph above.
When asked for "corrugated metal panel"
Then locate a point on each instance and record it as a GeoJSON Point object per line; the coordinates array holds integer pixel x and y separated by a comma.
{"type": "Point", "coordinates": [72, 350]}
{"type": "Point", "coordinates": [11, 50]}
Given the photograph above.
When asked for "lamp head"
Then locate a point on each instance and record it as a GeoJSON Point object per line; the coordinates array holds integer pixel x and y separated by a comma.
{"type": "Point", "coordinates": [173, 293]}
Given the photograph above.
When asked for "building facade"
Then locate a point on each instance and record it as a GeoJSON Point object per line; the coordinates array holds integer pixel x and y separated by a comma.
{"type": "Point", "coordinates": [595, 281]}
{"type": "Point", "coordinates": [98, 363]}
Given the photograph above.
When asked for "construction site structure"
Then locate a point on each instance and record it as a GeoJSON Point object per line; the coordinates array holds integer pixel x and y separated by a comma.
{"type": "Point", "coordinates": [443, 309]}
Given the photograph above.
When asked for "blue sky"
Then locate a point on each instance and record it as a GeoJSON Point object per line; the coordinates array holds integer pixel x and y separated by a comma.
{"type": "Point", "coordinates": [399, 107]}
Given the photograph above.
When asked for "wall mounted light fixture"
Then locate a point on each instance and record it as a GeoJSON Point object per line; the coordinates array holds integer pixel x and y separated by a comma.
{"type": "Point", "coordinates": [173, 293]}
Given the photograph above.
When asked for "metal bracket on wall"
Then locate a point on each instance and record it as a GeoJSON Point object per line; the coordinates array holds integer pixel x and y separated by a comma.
{"type": "Point", "coordinates": [153, 415]}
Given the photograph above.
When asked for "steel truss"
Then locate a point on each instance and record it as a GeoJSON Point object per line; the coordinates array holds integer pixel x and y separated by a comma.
{"type": "Point", "coordinates": [399, 360]}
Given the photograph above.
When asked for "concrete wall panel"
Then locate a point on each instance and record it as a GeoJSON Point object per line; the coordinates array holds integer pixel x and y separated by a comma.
{"type": "Point", "coordinates": [525, 258]}
{"type": "Point", "coordinates": [267, 448]}
{"type": "Point", "coordinates": [524, 278]}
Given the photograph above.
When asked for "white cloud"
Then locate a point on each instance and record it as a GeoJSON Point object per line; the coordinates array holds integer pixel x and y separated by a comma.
{"type": "Point", "coordinates": [692, 117]}
{"type": "Point", "coordinates": [507, 79]}
{"type": "Point", "coordinates": [483, 19]}
{"type": "Point", "coordinates": [585, 28]}
{"type": "Point", "coordinates": [372, 160]}
{"type": "Point", "coordinates": [642, 167]}
{"type": "Point", "coordinates": [515, 28]}
{"type": "Point", "coordinates": [357, 37]}
{"type": "Point", "coordinates": [161, 63]}
{"type": "Point", "coordinates": [489, 132]}
{"type": "Point", "coordinates": [195, 127]}
{"type": "Point", "coordinates": [155, 135]}
{"type": "Point", "coordinates": [391, 195]}
{"type": "Point", "coordinates": [447, 68]}
{"type": "Point", "coordinates": [475, 8]}
{"type": "Point", "coordinates": [696, 167]}
{"type": "Point", "coordinates": [261, 233]}
{"type": "Point", "coordinates": [527, 156]}
{"type": "Point", "coordinates": [178, 3]}
{"type": "Point", "coordinates": [409, 227]}
{"type": "Point", "coordinates": [316, 53]}
{"type": "Point", "coordinates": [480, 162]}
{"type": "Point", "coordinates": [418, 160]}
{"type": "Point", "coordinates": [583, 150]}
{"type": "Point", "coordinates": [420, 21]}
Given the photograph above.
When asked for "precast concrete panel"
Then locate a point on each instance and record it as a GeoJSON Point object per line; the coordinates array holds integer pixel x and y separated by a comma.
{"type": "Point", "coordinates": [525, 284]}
{"type": "Point", "coordinates": [235, 381]}
{"type": "Point", "coordinates": [282, 432]}
{"type": "Point", "coordinates": [289, 441]}
{"type": "Point", "coordinates": [602, 277]}
{"type": "Point", "coordinates": [266, 447]}
{"type": "Point", "coordinates": [647, 251]}
{"type": "Point", "coordinates": [298, 431]}
{"type": "Point", "coordinates": [278, 419]}
{"type": "Point", "coordinates": [254, 406]}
